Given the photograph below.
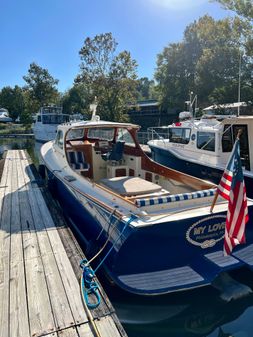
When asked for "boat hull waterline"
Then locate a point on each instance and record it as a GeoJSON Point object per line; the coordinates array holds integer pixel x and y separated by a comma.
{"type": "Point", "coordinates": [177, 255]}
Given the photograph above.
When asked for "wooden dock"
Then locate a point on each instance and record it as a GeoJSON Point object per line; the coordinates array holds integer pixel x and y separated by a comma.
{"type": "Point", "coordinates": [17, 135]}
{"type": "Point", "coordinates": [39, 272]}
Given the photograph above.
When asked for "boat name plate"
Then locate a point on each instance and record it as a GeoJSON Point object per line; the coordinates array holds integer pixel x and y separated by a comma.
{"type": "Point", "coordinates": [207, 231]}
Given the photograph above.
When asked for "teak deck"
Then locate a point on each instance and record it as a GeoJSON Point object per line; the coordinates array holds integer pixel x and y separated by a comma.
{"type": "Point", "coordinates": [39, 289]}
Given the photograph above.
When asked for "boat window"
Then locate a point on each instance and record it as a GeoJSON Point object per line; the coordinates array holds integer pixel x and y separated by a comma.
{"type": "Point", "coordinates": [124, 135]}
{"type": "Point", "coordinates": [39, 119]}
{"type": "Point", "coordinates": [227, 139]}
{"type": "Point", "coordinates": [179, 135]}
{"type": "Point", "coordinates": [55, 119]}
{"type": "Point", "coordinates": [206, 141]}
{"type": "Point", "coordinates": [101, 133]}
{"type": "Point", "coordinates": [75, 134]}
{"type": "Point", "coordinates": [59, 139]}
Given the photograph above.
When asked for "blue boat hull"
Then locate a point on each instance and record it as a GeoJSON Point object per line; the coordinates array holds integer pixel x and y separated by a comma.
{"type": "Point", "coordinates": [151, 260]}
{"type": "Point", "coordinates": [166, 158]}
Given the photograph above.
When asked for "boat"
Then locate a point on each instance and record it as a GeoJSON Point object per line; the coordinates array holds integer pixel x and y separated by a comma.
{"type": "Point", "coordinates": [201, 147]}
{"type": "Point", "coordinates": [4, 116]}
{"type": "Point", "coordinates": [46, 122]}
{"type": "Point", "coordinates": [149, 226]}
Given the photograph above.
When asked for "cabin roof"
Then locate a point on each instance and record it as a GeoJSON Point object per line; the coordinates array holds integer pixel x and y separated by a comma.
{"type": "Point", "coordinates": [98, 124]}
{"type": "Point", "coordinates": [225, 106]}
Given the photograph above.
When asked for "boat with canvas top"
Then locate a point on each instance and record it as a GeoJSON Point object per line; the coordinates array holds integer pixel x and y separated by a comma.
{"type": "Point", "coordinates": [151, 225]}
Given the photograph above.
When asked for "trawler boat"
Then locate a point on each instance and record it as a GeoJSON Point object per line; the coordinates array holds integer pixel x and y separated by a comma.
{"type": "Point", "coordinates": [149, 226]}
{"type": "Point", "coordinates": [46, 122]}
{"type": "Point", "coordinates": [202, 147]}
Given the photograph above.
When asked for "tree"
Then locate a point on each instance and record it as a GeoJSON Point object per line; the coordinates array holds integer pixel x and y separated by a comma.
{"type": "Point", "coordinates": [146, 88]}
{"type": "Point", "coordinates": [75, 100]}
{"type": "Point", "coordinates": [207, 63]}
{"type": "Point", "coordinates": [109, 77]}
{"type": "Point", "coordinates": [241, 7]}
{"type": "Point", "coordinates": [41, 86]}
{"type": "Point", "coordinates": [13, 100]}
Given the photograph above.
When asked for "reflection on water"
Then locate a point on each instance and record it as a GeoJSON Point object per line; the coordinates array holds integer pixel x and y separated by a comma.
{"type": "Point", "coordinates": [29, 144]}
{"type": "Point", "coordinates": [199, 313]}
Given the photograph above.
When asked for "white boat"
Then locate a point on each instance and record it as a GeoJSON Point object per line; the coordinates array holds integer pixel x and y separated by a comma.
{"type": "Point", "coordinates": [149, 225]}
{"type": "Point", "coordinates": [202, 147]}
{"type": "Point", "coordinates": [46, 122]}
{"type": "Point", "coordinates": [4, 116]}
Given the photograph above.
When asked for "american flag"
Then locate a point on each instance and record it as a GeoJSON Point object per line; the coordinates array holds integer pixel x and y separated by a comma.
{"type": "Point", "coordinates": [232, 188]}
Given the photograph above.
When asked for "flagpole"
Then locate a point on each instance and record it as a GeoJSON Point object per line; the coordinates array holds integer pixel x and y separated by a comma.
{"type": "Point", "coordinates": [216, 193]}
{"type": "Point", "coordinates": [214, 201]}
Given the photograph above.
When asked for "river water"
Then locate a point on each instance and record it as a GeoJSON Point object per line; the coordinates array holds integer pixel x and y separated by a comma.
{"type": "Point", "coordinates": [199, 313]}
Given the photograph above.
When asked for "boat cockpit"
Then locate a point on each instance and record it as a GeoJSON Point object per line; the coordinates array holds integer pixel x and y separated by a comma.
{"type": "Point", "coordinates": [111, 158]}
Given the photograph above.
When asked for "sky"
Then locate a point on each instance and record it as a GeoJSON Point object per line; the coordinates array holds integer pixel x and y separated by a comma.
{"type": "Point", "coordinates": [51, 32]}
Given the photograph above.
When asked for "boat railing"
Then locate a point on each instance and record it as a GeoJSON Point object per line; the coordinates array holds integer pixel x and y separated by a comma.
{"type": "Point", "coordinates": [158, 132]}
{"type": "Point", "coordinates": [153, 133]}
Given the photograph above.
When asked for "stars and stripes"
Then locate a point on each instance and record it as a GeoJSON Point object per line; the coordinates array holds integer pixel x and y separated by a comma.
{"type": "Point", "coordinates": [232, 188]}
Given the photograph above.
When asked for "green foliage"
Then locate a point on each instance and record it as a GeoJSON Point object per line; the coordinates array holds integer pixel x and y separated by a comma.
{"type": "Point", "coordinates": [241, 7]}
{"type": "Point", "coordinates": [40, 86]}
{"type": "Point", "coordinates": [146, 89]}
{"type": "Point", "coordinates": [109, 77]}
{"type": "Point", "coordinates": [13, 100]}
{"type": "Point", "coordinates": [9, 128]}
{"type": "Point", "coordinates": [76, 100]}
{"type": "Point", "coordinates": [207, 62]}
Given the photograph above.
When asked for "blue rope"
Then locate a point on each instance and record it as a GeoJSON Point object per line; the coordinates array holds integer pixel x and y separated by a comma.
{"type": "Point", "coordinates": [89, 286]}
{"type": "Point", "coordinates": [109, 251]}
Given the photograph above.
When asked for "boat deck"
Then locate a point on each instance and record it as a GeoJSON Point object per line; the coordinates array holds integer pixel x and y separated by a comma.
{"type": "Point", "coordinates": [39, 287]}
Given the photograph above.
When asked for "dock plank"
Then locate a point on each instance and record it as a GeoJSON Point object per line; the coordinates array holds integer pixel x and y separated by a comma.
{"type": "Point", "coordinates": [60, 306]}
{"type": "Point", "coordinates": [18, 301]}
{"type": "Point", "coordinates": [41, 317]}
{"type": "Point", "coordinates": [5, 247]}
{"type": "Point", "coordinates": [68, 276]}
{"type": "Point", "coordinates": [39, 286]}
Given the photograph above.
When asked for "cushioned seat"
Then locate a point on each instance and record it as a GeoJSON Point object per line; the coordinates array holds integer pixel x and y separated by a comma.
{"type": "Point", "coordinates": [77, 161]}
{"type": "Point", "coordinates": [116, 153]}
{"type": "Point", "coordinates": [128, 186]}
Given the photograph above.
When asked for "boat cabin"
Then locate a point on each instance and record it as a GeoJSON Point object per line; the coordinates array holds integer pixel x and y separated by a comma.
{"type": "Point", "coordinates": [109, 155]}
{"type": "Point", "coordinates": [52, 115]}
{"type": "Point", "coordinates": [209, 138]}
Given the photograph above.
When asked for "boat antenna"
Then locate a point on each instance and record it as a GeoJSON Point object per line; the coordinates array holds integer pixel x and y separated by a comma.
{"type": "Point", "coordinates": [239, 82]}
{"type": "Point", "coordinates": [93, 109]}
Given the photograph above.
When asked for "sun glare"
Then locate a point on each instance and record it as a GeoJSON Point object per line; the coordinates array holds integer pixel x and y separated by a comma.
{"type": "Point", "coordinates": [178, 4]}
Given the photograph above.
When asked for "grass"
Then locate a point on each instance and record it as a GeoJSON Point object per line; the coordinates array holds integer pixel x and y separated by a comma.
{"type": "Point", "coordinates": [10, 128]}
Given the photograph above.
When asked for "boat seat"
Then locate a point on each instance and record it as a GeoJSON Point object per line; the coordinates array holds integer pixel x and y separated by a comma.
{"type": "Point", "coordinates": [129, 186]}
{"type": "Point", "coordinates": [77, 161]}
{"type": "Point", "coordinates": [116, 152]}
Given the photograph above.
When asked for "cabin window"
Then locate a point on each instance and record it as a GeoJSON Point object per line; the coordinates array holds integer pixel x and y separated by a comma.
{"type": "Point", "coordinates": [227, 139]}
{"type": "Point", "coordinates": [206, 141]}
{"type": "Point", "coordinates": [125, 136]}
{"type": "Point", "coordinates": [75, 134]}
{"type": "Point", "coordinates": [101, 133]}
{"type": "Point", "coordinates": [39, 119]}
{"type": "Point", "coordinates": [179, 135]}
{"type": "Point", "coordinates": [59, 139]}
{"type": "Point", "coordinates": [55, 119]}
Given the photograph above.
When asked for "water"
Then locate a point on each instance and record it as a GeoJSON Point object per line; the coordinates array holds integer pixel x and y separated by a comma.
{"type": "Point", "coordinates": [199, 313]}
